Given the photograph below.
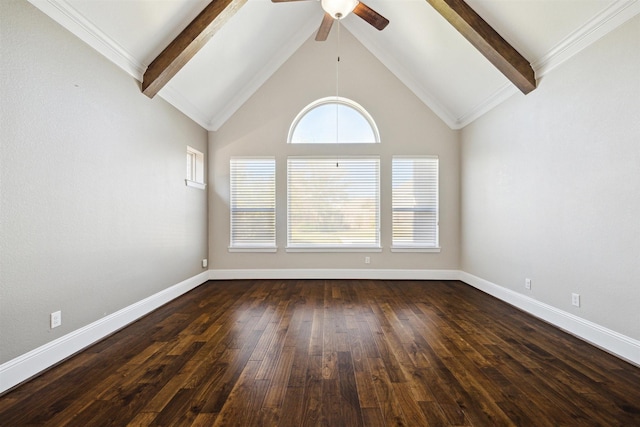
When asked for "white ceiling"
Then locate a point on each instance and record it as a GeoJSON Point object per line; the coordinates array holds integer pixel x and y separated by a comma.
{"type": "Point", "coordinates": [419, 46]}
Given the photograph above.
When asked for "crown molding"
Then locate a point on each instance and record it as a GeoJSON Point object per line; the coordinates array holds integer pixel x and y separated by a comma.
{"type": "Point", "coordinates": [71, 19]}
{"type": "Point", "coordinates": [602, 24]}
{"type": "Point", "coordinates": [182, 104]}
{"type": "Point", "coordinates": [402, 74]}
{"type": "Point", "coordinates": [276, 61]}
{"type": "Point", "coordinates": [496, 98]}
{"type": "Point", "coordinates": [606, 21]}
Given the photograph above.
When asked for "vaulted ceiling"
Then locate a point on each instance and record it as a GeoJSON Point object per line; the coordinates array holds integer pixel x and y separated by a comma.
{"type": "Point", "coordinates": [419, 46]}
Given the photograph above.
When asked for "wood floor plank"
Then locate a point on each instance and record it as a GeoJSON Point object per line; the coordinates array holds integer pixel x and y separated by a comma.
{"type": "Point", "coordinates": [373, 417]}
{"type": "Point", "coordinates": [279, 379]}
{"type": "Point", "coordinates": [387, 399]}
{"type": "Point", "coordinates": [333, 353]}
{"type": "Point", "coordinates": [253, 403]}
{"type": "Point", "coordinates": [276, 344]}
{"type": "Point", "coordinates": [350, 403]}
{"type": "Point", "coordinates": [233, 411]}
{"type": "Point", "coordinates": [142, 419]}
{"type": "Point", "coordinates": [297, 375]}
{"type": "Point", "coordinates": [366, 390]}
{"type": "Point", "coordinates": [312, 392]}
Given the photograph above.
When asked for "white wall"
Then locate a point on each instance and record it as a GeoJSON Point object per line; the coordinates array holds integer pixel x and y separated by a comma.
{"type": "Point", "coordinates": [94, 211]}
{"type": "Point", "coordinates": [260, 127]}
{"type": "Point", "coordinates": [551, 187]}
{"type": "Point", "coordinates": [95, 216]}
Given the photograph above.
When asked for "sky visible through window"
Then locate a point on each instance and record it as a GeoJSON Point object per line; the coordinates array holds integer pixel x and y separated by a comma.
{"type": "Point", "coordinates": [333, 123]}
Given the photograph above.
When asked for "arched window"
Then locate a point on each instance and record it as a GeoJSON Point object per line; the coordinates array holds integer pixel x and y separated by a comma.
{"type": "Point", "coordinates": [333, 120]}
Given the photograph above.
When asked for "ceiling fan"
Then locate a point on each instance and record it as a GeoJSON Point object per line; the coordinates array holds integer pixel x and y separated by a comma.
{"type": "Point", "coordinates": [339, 9]}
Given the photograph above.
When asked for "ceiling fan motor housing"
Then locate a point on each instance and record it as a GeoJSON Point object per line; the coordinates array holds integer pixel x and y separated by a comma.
{"type": "Point", "coordinates": [338, 9]}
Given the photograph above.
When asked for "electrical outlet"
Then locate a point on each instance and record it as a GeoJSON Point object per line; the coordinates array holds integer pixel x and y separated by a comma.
{"type": "Point", "coordinates": [56, 319]}
{"type": "Point", "coordinates": [205, 263]}
{"type": "Point", "coordinates": [367, 260]}
{"type": "Point", "coordinates": [575, 299]}
{"type": "Point", "coordinates": [527, 283]}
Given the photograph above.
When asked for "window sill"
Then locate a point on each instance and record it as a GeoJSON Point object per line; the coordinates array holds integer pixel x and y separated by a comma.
{"type": "Point", "coordinates": [195, 184]}
{"type": "Point", "coordinates": [331, 249]}
{"type": "Point", "coordinates": [271, 249]}
{"type": "Point", "coordinates": [413, 249]}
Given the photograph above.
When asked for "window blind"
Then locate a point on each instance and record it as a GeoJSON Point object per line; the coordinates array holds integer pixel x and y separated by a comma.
{"type": "Point", "coordinates": [333, 202]}
{"type": "Point", "coordinates": [253, 202]}
{"type": "Point", "coordinates": [415, 202]}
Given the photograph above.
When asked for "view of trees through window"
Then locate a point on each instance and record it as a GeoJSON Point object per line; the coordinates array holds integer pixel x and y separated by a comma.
{"type": "Point", "coordinates": [333, 202]}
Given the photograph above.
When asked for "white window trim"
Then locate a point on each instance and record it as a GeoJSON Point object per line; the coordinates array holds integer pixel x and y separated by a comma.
{"type": "Point", "coordinates": [254, 247]}
{"type": "Point", "coordinates": [195, 184]}
{"type": "Point", "coordinates": [195, 175]}
{"type": "Point", "coordinates": [397, 248]}
{"type": "Point", "coordinates": [331, 247]}
{"type": "Point", "coordinates": [265, 249]}
{"type": "Point", "coordinates": [419, 247]}
{"type": "Point", "coordinates": [336, 100]}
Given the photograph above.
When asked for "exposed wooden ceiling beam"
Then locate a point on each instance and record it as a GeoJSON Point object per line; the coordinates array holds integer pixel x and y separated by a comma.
{"type": "Point", "coordinates": [496, 49]}
{"type": "Point", "coordinates": [187, 44]}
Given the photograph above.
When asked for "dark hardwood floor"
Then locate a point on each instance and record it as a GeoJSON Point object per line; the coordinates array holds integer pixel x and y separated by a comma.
{"type": "Point", "coordinates": [333, 353]}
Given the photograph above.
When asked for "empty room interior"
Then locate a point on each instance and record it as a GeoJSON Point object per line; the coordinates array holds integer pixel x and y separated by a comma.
{"type": "Point", "coordinates": [288, 213]}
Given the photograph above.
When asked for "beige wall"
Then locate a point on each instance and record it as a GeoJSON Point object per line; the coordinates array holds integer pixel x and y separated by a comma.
{"type": "Point", "coordinates": [94, 211]}
{"type": "Point", "coordinates": [551, 187]}
{"type": "Point", "coordinates": [260, 127]}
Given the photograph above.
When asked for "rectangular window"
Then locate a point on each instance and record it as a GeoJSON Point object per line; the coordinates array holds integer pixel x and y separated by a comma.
{"type": "Point", "coordinates": [253, 204]}
{"type": "Point", "coordinates": [415, 203]}
{"type": "Point", "coordinates": [195, 168]}
{"type": "Point", "coordinates": [333, 203]}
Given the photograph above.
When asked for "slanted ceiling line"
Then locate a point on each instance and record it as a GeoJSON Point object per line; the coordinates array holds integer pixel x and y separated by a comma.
{"type": "Point", "coordinates": [269, 68]}
{"type": "Point", "coordinates": [407, 78]}
{"type": "Point", "coordinates": [500, 95]}
{"type": "Point", "coordinates": [488, 42]}
{"type": "Point", "coordinates": [70, 18]}
{"type": "Point", "coordinates": [601, 24]}
{"type": "Point", "coordinates": [178, 100]}
{"type": "Point", "coordinates": [187, 44]}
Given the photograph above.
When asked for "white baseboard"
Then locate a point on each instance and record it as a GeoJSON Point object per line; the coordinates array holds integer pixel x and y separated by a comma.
{"type": "Point", "coordinates": [30, 364]}
{"type": "Point", "coordinates": [322, 273]}
{"type": "Point", "coordinates": [613, 342]}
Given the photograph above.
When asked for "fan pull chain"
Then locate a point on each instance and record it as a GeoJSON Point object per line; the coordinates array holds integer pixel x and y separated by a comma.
{"type": "Point", "coordinates": [338, 61]}
{"type": "Point", "coordinates": [337, 82]}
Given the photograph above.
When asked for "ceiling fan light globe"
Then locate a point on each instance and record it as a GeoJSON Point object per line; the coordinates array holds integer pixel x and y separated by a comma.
{"type": "Point", "coordinates": [338, 9]}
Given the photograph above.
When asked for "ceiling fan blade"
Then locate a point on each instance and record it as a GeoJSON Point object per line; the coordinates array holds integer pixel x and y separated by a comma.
{"type": "Point", "coordinates": [371, 16]}
{"type": "Point", "coordinates": [325, 27]}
